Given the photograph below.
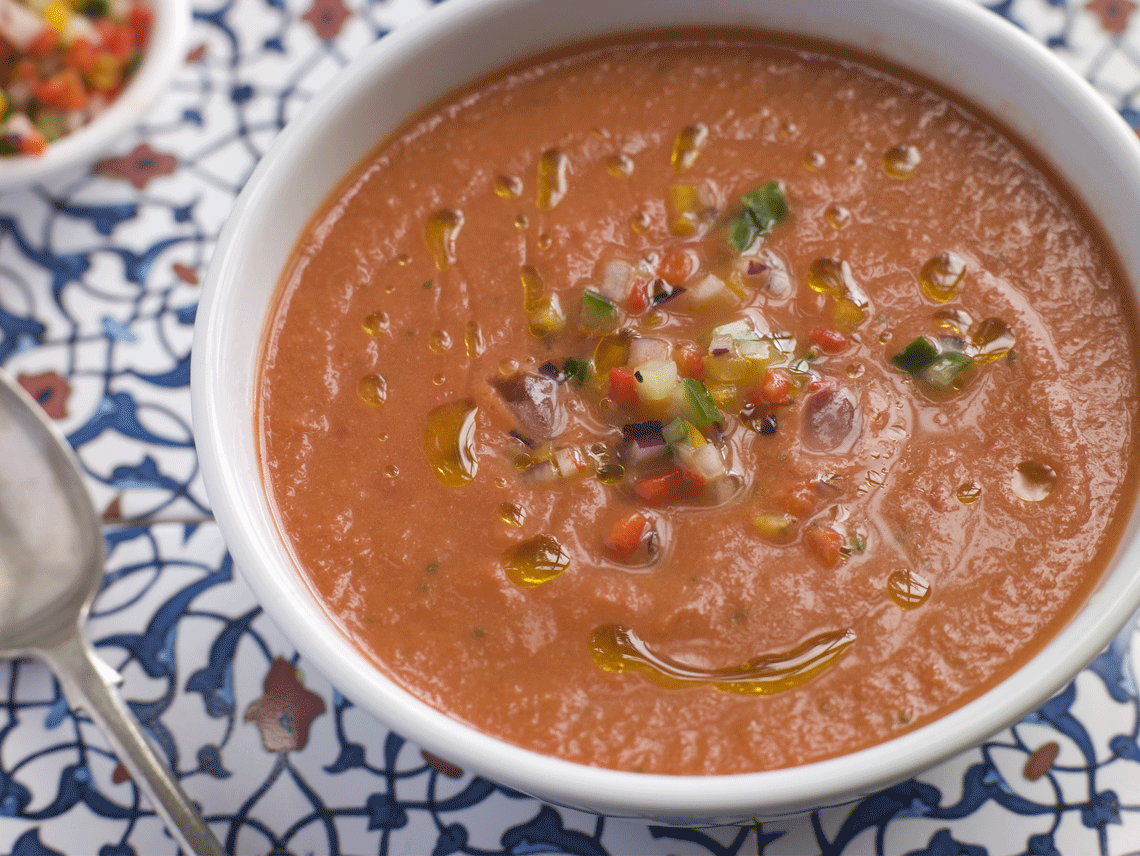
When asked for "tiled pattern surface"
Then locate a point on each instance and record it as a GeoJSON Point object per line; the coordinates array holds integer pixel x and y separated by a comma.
{"type": "Point", "coordinates": [99, 275]}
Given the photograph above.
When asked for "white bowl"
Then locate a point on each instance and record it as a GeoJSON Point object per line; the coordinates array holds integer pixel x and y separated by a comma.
{"type": "Point", "coordinates": [165, 54]}
{"type": "Point", "coordinates": [955, 42]}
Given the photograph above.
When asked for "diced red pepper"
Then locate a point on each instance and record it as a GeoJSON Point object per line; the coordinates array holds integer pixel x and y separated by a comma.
{"type": "Point", "coordinates": [638, 300]}
{"type": "Point", "coordinates": [81, 56]}
{"type": "Point", "coordinates": [115, 38]}
{"type": "Point", "coordinates": [64, 90]}
{"type": "Point", "coordinates": [676, 266]}
{"type": "Point", "coordinates": [140, 20]}
{"type": "Point", "coordinates": [623, 387]}
{"type": "Point", "coordinates": [690, 362]}
{"type": "Point", "coordinates": [825, 543]}
{"type": "Point", "coordinates": [827, 340]}
{"type": "Point", "coordinates": [626, 534]}
{"type": "Point", "coordinates": [776, 386]}
{"type": "Point", "coordinates": [661, 488]}
{"type": "Point", "coordinates": [44, 44]}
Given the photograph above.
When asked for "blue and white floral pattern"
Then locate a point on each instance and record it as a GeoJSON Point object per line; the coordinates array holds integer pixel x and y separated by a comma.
{"type": "Point", "coordinates": [98, 291]}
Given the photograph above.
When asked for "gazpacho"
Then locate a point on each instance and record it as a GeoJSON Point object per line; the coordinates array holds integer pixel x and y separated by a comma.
{"type": "Point", "coordinates": [700, 403]}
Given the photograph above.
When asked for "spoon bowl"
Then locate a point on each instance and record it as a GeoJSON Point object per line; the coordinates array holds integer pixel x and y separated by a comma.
{"type": "Point", "coordinates": [51, 566]}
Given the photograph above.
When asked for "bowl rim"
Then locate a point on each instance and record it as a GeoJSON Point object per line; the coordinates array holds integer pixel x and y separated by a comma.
{"type": "Point", "coordinates": [712, 798]}
{"type": "Point", "coordinates": [164, 55]}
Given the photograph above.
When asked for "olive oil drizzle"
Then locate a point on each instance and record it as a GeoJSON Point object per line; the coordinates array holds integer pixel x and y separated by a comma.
{"type": "Point", "coordinates": [618, 649]}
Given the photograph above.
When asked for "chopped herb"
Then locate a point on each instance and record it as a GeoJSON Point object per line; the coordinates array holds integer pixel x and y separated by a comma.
{"type": "Point", "coordinates": [432, 567]}
{"type": "Point", "coordinates": [428, 283]}
{"type": "Point", "coordinates": [761, 210]}
{"type": "Point", "coordinates": [478, 632]}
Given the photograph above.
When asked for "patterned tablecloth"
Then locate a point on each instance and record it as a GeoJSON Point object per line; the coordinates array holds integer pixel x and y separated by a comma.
{"type": "Point", "coordinates": [99, 274]}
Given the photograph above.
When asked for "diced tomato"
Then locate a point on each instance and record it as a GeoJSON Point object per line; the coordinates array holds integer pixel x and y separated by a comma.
{"type": "Point", "coordinates": [676, 266]}
{"type": "Point", "coordinates": [626, 534]}
{"type": "Point", "coordinates": [638, 300]}
{"type": "Point", "coordinates": [661, 488]}
{"type": "Point", "coordinates": [798, 499]}
{"type": "Point", "coordinates": [827, 340]}
{"type": "Point", "coordinates": [115, 38]}
{"type": "Point", "coordinates": [32, 144]}
{"type": "Point", "coordinates": [695, 483]}
{"type": "Point", "coordinates": [623, 387]}
{"type": "Point", "coordinates": [776, 386]}
{"type": "Point", "coordinates": [690, 362]}
{"type": "Point", "coordinates": [44, 43]}
{"type": "Point", "coordinates": [140, 20]}
{"type": "Point", "coordinates": [824, 542]}
{"type": "Point", "coordinates": [64, 90]}
{"type": "Point", "coordinates": [26, 72]}
{"type": "Point", "coordinates": [81, 56]}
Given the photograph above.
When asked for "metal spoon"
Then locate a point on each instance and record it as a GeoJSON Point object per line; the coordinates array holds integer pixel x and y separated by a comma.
{"type": "Point", "coordinates": [51, 565]}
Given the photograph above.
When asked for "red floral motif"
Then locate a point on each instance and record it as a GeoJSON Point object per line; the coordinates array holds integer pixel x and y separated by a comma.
{"type": "Point", "coordinates": [120, 774]}
{"type": "Point", "coordinates": [196, 54]}
{"type": "Point", "coordinates": [327, 17]}
{"type": "Point", "coordinates": [286, 710]}
{"type": "Point", "coordinates": [1113, 14]}
{"type": "Point", "coordinates": [445, 768]}
{"type": "Point", "coordinates": [185, 273]}
{"type": "Point", "coordinates": [114, 510]}
{"type": "Point", "coordinates": [138, 167]}
{"type": "Point", "coordinates": [50, 389]}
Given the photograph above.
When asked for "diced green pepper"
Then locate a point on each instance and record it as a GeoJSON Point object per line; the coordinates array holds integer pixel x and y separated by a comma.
{"type": "Point", "coordinates": [942, 372]}
{"type": "Point", "coordinates": [698, 403]}
{"type": "Point", "coordinates": [597, 312]}
{"type": "Point", "coordinates": [917, 356]}
{"type": "Point", "coordinates": [742, 231]}
{"type": "Point", "coordinates": [576, 370]}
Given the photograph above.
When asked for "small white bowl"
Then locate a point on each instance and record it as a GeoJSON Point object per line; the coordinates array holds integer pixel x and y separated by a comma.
{"type": "Point", "coordinates": [164, 55]}
{"type": "Point", "coordinates": [955, 42]}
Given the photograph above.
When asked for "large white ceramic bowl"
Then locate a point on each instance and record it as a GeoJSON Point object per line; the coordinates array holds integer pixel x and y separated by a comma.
{"type": "Point", "coordinates": [954, 42]}
{"type": "Point", "coordinates": [165, 54]}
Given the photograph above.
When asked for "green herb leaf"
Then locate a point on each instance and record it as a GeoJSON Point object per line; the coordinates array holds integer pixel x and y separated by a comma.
{"type": "Point", "coordinates": [742, 231]}
{"type": "Point", "coordinates": [597, 312]}
{"type": "Point", "coordinates": [766, 206]}
{"type": "Point", "coordinates": [576, 370]}
{"type": "Point", "coordinates": [704, 409]}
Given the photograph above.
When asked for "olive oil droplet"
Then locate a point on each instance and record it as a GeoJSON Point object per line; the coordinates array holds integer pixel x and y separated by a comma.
{"type": "Point", "coordinates": [968, 492]}
{"type": "Point", "coordinates": [439, 342]}
{"type": "Point", "coordinates": [639, 222]}
{"type": "Point", "coordinates": [1033, 482]}
{"type": "Point", "coordinates": [449, 442]}
{"type": "Point", "coordinates": [688, 144]}
{"type": "Point", "coordinates": [837, 216]}
{"type": "Point", "coordinates": [814, 161]}
{"type": "Point", "coordinates": [536, 561]}
{"type": "Point", "coordinates": [376, 324]}
{"type": "Point", "coordinates": [473, 340]}
{"type": "Point", "coordinates": [508, 187]}
{"type": "Point", "coordinates": [521, 222]}
{"type": "Point", "coordinates": [619, 166]}
{"type": "Point", "coordinates": [372, 389]}
{"type": "Point", "coordinates": [553, 168]}
{"type": "Point", "coordinates": [941, 277]}
{"type": "Point", "coordinates": [440, 234]}
{"type": "Point", "coordinates": [907, 589]}
{"type": "Point", "coordinates": [512, 514]}
{"type": "Point", "coordinates": [901, 161]}
{"type": "Point", "coordinates": [545, 241]}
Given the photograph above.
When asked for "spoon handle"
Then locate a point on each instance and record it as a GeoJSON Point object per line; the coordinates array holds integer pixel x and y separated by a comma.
{"type": "Point", "coordinates": [89, 681]}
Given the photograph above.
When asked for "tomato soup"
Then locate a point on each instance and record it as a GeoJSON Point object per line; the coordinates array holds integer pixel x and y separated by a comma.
{"type": "Point", "coordinates": [699, 404]}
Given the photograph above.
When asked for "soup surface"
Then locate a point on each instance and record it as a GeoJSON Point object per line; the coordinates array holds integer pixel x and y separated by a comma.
{"type": "Point", "coordinates": [699, 406]}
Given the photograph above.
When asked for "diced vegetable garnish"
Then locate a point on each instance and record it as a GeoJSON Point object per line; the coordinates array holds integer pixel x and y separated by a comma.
{"type": "Point", "coordinates": [622, 389]}
{"type": "Point", "coordinates": [576, 370]}
{"type": "Point", "coordinates": [661, 488]}
{"type": "Point", "coordinates": [946, 368]}
{"type": "Point", "coordinates": [656, 380]}
{"type": "Point", "coordinates": [695, 404]}
{"type": "Point", "coordinates": [597, 312]}
{"type": "Point", "coordinates": [63, 64]}
{"type": "Point", "coordinates": [761, 210]}
{"type": "Point", "coordinates": [625, 535]}
{"type": "Point", "coordinates": [918, 355]}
